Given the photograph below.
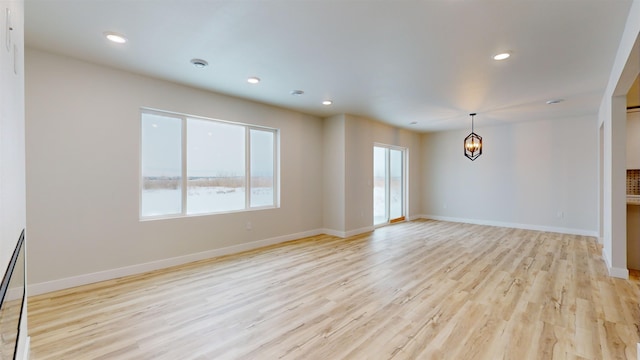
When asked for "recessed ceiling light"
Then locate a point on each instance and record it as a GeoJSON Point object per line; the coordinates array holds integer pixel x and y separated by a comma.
{"type": "Point", "coordinates": [554, 101]}
{"type": "Point", "coordinates": [297, 92]}
{"type": "Point", "coordinates": [327, 102]}
{"type": "Point", "coordinates": [199, 63]}
{"type": "Point", "coordinates": [253, 80]}
{"type": "Point", "coordinates": [501, 56]}
{"type": "Point", "coordinates": [115, 37]}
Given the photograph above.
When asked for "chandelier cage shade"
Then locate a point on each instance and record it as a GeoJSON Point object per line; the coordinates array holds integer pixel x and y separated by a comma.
{"type": "Point", "coordinates": [472, 143]}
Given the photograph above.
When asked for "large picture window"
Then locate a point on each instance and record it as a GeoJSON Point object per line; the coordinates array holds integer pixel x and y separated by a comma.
{"type": "Point", "coordinates": [193, 166]}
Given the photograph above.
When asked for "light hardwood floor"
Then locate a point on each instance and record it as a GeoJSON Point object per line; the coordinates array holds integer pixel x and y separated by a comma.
{"type": "Point", "coordinates": [415, 290]}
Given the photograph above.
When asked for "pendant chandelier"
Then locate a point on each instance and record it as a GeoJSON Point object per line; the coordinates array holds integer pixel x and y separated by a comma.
{"type": "Point", "coordinates": [472, 143]}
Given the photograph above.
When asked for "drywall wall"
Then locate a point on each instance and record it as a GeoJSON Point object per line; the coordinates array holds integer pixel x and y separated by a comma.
{"type": "Point", "coordinates": [348, 164]}
{"type": "Point", "coordinates": [537, 175]}
{"type": "Point", "coordinates": [612, 119]}
{"type": "Point", "coordinates": [12, 178]}
{"type": "Point", "coordinates": [633, 139]}
{"type": "Point", "coordinates": [12, 143]}
{"type": "Point", "coordinates": [361, 135]}
{"type": "Point", "coordinates": [83, 130]}
{"type": "Point", "coordinates": [334, 175]}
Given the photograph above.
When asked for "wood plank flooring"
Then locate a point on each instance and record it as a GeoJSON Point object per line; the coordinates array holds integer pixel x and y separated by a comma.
{"type": "Point", "coordinates": [414, 290]}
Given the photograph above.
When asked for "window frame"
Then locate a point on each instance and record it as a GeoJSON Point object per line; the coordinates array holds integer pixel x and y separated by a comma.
{"type": "Point", "coordinates": [184, 118]}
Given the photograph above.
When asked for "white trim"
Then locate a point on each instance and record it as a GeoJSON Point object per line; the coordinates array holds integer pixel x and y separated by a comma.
{"type": "Point", "coordinates": [14, 293]}
{"type": "Point", "coordinates": [405, 175]}
{"type": "Point", "coordinates": [605, 257]}
{"type": "Point", "coordinates": [26, 350]}
{"type": "Point", "coordinates": [346, 234]}
{"type": "Point", "coordinates": [613, 271]}
{"type": "Point", "coordinates": [184, 125]}
{"type": "Point", "coordinates": [363, 230]}
{"type": "Point", "coordinates": [513, 225]}
{"type": "Point", "coordinates": [415, 217]}
{"type": "Point", "coordinates": [340, 234]}
{"type": "Point", "coordinates": [65, 283]}
{"type": "Point", "coordinates": [619, 273]}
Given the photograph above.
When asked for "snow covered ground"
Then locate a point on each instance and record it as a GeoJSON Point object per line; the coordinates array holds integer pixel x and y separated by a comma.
{"type": "Point", "coordinates": [215, 199]}
{"type": "Point", "coordinates": [202, 200]}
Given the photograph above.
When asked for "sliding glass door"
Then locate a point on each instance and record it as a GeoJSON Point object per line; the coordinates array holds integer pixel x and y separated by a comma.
{"type": "Point", "coordinates": [388, 184]}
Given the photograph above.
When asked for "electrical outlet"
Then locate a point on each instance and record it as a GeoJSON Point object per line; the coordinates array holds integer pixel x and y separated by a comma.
{"type": "Point", "coordinates": [560, 214]}
{"type": "Point", "coordinates": [248, 226]}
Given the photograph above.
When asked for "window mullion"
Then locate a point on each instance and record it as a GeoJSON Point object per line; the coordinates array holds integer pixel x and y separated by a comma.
{"type": "Point", "coordinates": [208, 174]}
{"type": "Point", "coordinates": [184, 166]}
{"type": "Point", "coordinates": [387, 184]}
{"type": "Point", "coordinates": [276, 165]}
{"type": "Point", "coordinates": [247, 164]}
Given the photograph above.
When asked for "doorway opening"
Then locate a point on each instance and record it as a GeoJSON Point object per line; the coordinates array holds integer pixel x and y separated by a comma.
{"type": "Point", "coordinates": [389, 186]}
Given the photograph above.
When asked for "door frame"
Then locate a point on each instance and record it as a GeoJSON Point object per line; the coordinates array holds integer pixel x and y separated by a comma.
{"type": "Point", "coordinates": [405, 182]}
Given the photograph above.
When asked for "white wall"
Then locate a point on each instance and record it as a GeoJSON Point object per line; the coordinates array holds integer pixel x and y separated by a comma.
{"type": "Point", "coordinates": [83, 130]}
{"type": "Point", "coordinates": [12, 183]}
{"type": "Point", "coordinates": [348, 175]}
{"type": "Point", "coordinates": [334, 175]}
{"type": "Point", "coordinates": [612, 118]}
{"type": "Point", "coordinates": [349, 141]}
{"type": "Point", "coordinates": [361, 135]}
{"type": "Point", "coordinates": [536, 175]}
{"type": "Point", "coordinates": [82, 174]}
{"type": "Point", "coordinates": [12, 143]}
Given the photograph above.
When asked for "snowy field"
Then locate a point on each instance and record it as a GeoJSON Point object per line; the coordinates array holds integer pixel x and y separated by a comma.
{"type": "Point", "coordinates": [215, 199]}
{"type": "Point", "coordinates": [379, 208]}
{"type": "Point", "coordinates": [202, 200]}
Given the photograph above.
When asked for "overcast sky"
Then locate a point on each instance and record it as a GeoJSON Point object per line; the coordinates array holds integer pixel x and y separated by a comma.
{"type": "Point", "coordinates": [213, 148]}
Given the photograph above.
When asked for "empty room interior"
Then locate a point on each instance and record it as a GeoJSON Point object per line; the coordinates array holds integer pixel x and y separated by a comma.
{"type": "Point", "coordinates": [281, 179]}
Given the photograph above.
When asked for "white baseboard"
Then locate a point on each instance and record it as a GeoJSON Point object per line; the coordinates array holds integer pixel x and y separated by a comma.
{"type": "Point", "coordinates": [340, 234]}
{"type": "Point", "coordinates": [14, 293]}
{"type": "Point", "coordinates": [24, 349]}
{"type": "Point", "coordinates": [415, 217]}
{"type": "Point", "coordinates": [346, 234]}
{"type": "Point", "coordinates": [621, 273]}
{"type": "Point", "coordinates": [360, 231]}
{"type": "Point", "coordinates": [513, 225]}
{"type": "Point", "coordinates": [66, 283]}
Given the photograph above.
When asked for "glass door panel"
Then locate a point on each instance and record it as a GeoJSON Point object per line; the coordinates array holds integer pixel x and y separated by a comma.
{"type": "Point", "coordinates": [388, 185]}
{"type": "Point", "coordinates": [395, 185]}
{"type": "Point", "coordinates": [379, 185]}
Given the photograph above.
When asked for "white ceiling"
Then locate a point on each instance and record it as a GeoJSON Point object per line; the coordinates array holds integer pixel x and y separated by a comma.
{"type": "Point", "coordinates": [396, 61]}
